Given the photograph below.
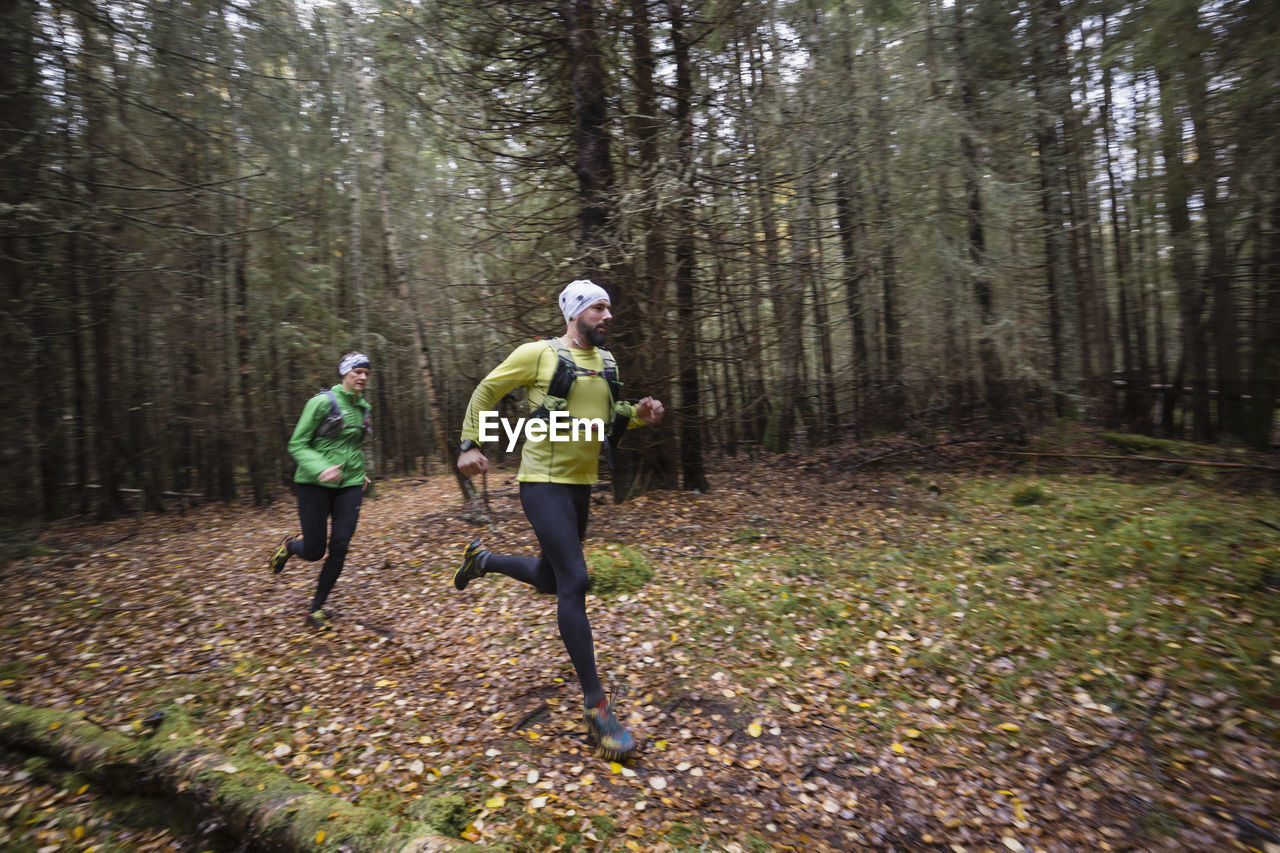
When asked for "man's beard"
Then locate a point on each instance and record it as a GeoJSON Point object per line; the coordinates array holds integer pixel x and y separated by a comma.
{"type": "Point", "coordinates": [594, 336]}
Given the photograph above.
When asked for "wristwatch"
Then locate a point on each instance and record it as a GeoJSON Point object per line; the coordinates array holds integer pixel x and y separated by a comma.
{"type": "Point", "coordinates": [467, 444]}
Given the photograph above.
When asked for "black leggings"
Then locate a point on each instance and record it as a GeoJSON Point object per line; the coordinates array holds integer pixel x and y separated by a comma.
{"type": "Point", "coordinates": [558, 513]}
{"type": "Point", "coordinates": [315, 506]}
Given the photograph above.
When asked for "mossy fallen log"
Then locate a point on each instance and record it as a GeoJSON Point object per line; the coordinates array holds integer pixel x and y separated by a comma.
{"type": "Point", "coordinates": [253, 799]}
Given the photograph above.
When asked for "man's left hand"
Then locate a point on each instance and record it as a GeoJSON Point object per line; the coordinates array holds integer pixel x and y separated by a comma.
{"type": "Point", "coordinates": [649, 410]}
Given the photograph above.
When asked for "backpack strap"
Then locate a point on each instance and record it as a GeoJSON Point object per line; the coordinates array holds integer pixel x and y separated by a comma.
{"type": "Point", "coordinates": [562, 379]}
{"type": "Point", "coordinates": [567, 371]}
{"type": "Point", "coordinates": [622, 410]}
{"type": "Point", "coordinates": [334, 409]}
{"type": "Point", "coordinates": [335, 422]}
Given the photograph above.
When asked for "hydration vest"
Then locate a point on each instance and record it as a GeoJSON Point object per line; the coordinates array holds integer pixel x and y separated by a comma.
{"type": "Point", "coordinates": [567, 370]}
{"type": "Point", "coordinates": [335, 422]}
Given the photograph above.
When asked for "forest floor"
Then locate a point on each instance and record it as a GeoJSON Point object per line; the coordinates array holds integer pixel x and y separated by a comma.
{"type": "Point", "coordinates": [949, 649]}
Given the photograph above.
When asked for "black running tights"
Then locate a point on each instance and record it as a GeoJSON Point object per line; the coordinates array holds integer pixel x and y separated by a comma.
{"type": "Point", "coordinates": [558, 513]}
{"type": "Point", "coordinates": [316, 504]}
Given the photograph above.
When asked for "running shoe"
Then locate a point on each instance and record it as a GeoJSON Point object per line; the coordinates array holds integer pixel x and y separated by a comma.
{"type": "Point", "coordinates": [470, 568]}
{"type": "Point", "coordinates": [319, 620]}
{"type": "Point", "coordinates": [281, 555]}
{"type": "Point", "coordinates": [613, 741]}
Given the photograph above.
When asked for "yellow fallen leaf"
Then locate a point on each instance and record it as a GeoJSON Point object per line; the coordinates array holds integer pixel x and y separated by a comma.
{"type": "Point", "coordinates": [912, 733]}
{"type": "Point", "coordinates": [1010, 727]}
{"type": "Point", "coordinates": [320, 837]}
{"type": "Point", "coordinates": [899, 748]}
{"type": "Point", "coordinates": [755, 730]}
{"type": "Point", "coordinates": [615, 767]}
{"type": "Point", "coordinates": [495, 802]}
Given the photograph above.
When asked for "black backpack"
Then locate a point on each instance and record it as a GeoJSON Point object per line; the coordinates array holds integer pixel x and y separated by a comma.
{"type": "Point", "coordinates": [567, 370]}
{"type": "Point", "coordinates": [335, 423]}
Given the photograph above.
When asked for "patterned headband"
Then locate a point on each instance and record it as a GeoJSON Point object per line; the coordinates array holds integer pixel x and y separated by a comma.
{"type": "Point", "coordinates": [353, 361]}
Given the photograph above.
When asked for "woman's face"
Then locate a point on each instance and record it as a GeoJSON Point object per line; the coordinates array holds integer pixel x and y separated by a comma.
{"type": "Point", "coordinates": [355, 380]}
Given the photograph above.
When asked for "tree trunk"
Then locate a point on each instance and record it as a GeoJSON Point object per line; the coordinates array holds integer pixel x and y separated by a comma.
{"type": "Point", "coordinates": [954, 369]}
{"type": "Point", "coordinates": [20, 481]}
{"type": "Point", "coordinates": [648, 457]}
{"type": "Point", "coordinates": [892, 397]}
{"type": "Point", "coordinates": [1132, 322]}
{"type": "Point", "coordinates": [1265, 372]}
{"type": "Point", "coordinates": [394, 271]}
{"type": "Point", "coordinates": [591, 141]}
{"type": "Point", "coordinates": [252, 798]}
{"type": "Point", "coordinates": [252, 436]}
{"type": "Point", "coordinates": [1176, 201]}
{"type": "Point", "coordinates": [1064, 320]}
{"type": "Point", "coordinates": [1224, 322]}
{"type": "Point", "coordinates": [1097, 354]}
{"type": "Point", "coordinates": [787, 303]}
{"type": "Point", "coordinates": [693, 475]}
{"type": "Point", "coordinates": [101, 290]}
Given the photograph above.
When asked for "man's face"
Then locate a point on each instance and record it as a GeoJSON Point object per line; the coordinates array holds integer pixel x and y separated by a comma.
{"type": "Point", "coordinates": [593, 323]}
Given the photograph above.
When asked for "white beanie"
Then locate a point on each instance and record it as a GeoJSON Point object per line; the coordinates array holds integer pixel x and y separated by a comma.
{"type": "Point", "coordinates": [579, 294]}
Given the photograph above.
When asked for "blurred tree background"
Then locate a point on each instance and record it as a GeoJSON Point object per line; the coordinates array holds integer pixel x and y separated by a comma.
{"type": "Point", "coordinates": [818, 219]}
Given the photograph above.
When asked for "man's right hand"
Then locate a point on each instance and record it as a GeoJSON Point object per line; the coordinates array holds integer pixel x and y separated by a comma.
{"type": "Point", "coordinates": [472, 462]}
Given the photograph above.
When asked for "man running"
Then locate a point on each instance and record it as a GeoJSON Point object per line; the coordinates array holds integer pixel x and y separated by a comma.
{"type": "Point", "coordinates": [556, 478]}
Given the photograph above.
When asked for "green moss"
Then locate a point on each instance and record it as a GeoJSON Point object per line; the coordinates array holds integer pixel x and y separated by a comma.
{"type": "Point", "coordinates": [446, 815]}
{"type": "Point", "coordinates": [1029, 494]}
{"type": "Point", "coordinates": [1146, 444]}
{"type": "Point", "coordinates": [18, 545]}
{"type": "Point", "coordinates": [618, 571]}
